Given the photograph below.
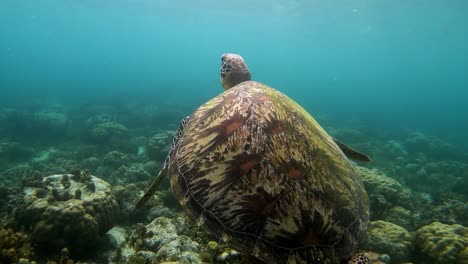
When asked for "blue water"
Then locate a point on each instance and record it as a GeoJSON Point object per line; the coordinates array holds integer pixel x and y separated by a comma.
{"type": "Point", "coordinates": [388, 64]}
{"type": "Point", "coordinates": [99, 85]}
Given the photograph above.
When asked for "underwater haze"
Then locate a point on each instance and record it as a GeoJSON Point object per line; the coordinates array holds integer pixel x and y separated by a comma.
{"type": "Point", "coordinates": [386, 63]}
{"type": "Point", "coordinates": [92, 92]}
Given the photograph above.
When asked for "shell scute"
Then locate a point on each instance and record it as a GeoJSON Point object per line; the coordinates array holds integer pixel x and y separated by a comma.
{"type": "Point", "coordinates": [257, 170]}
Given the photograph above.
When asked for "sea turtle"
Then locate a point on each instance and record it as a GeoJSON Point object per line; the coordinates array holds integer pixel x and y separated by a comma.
{"type": "Point", "coordinates": [256, 171]}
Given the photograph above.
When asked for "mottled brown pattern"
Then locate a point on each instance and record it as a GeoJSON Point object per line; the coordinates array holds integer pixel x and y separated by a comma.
{"type": "Point", "coordinates": [233, 70]}
{"type": "Point", "coordinates": [256, 170]}
{"type": "Point", "coordinates": [274, 125]}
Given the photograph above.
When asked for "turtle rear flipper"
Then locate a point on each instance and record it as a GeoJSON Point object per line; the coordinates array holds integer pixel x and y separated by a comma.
{"type": "Point", "coordinates": [358, 257]}
{"type": "Point", "coordinates": [352, 153]}
{"type": "Point", "coordinates": [153, 187]}
{"type": "Point", "coordinates": [163, 172]}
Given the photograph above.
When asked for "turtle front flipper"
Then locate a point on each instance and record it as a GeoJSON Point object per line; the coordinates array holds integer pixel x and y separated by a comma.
{"type": "Point", "coordinates": [163, 172]}
{"type": "Point", "coordinates": [351, 153]}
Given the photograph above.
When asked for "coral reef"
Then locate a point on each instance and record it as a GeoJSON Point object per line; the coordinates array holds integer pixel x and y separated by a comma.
{"type": "Point", "coordinates": [109, 134]}
{"type": "Point", "coordinates": [158, 145]}
{"type": "Point", "coordinates": [167, 241]}
{"type": "Point", "coordinates": [109, 131]}
{"type": "Point", "coordinates": [152, 236]}
{"type": "Point", "coordinates": [450, 212]}
{"type": "Point", "coordinates": [446, 212]}
{"type": "Point", "coordinates": [115, 159]}
{"type": "Point", "coordinates": [51, 121]}
{"type": "Point", "coordinates": [68, 210]}
{"type": "Point", "coordinates": [13, 152]}
{"type": "Point", "coordinates": [182, 249]}
{"type": "Point", "coordinates": [449, 176]}
{"type": "Point", "coordinates": [220, 253]}
{"type": "Point", "coordinates": [13, 176]}
{"type": "Point", "coordinates": [127, 195]}
{"type": "Point", "coordinates": [133, 173]}
{"type": "Point", "coordinates": [152, 167]}
{"type": "Point", "coordinates": [396, 148]}
{"type": "Point", "coordinates": [96, 119]}
{"type": "Point", "coordinates": [391, 239]}
{"type": "Point", "coordinates": [422, 162]}
{"type": "Point", "coordinates": [152, 116]}
{"type": "Point", "coordinates": [400, 216]}
{"type": "Point", "coordinates": [54, 163]}
{"type": "Point", "coordinates": [443, 243]}
{"type": "Point", "coordinates": [160, 237]}
{"type": "Point", "coordinates": [14, 246]}
{"type": "Point", "coordinates": [387, 197]}
{"type": "Point", "coordinates": [9, 197]}
{"type": "Point", "coordinates": [91, 163]}
{"type": "Point", "coordinates": [421, 179]}
{"type": "Point", "coordinates": [431, 146]}
{"type": "Point", "coordinates": [50, 124]}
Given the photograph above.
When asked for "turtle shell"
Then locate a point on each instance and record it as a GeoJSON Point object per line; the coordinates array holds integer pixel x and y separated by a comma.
{"type": "Point", "coordinates": [256, 171]}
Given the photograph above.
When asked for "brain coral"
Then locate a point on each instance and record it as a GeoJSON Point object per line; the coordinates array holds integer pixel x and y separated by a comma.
{"type": "Point", "coordinates": [68, 210]}
{"type": "Point", "coordinates": [391, 239]}
{"type": "Point", "coordinates": [443, 243]}
{"type": "Point", "coordinates": [14, 246]}
{"type": "Point", "coordinates": [384, 192]}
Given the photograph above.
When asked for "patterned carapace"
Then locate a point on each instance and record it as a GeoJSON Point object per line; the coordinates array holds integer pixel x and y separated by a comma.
{"type": "Point", "coordinates": [257, 171]}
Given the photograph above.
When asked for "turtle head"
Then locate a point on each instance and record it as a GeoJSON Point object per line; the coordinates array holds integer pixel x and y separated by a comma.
{"type": "Point", "coordinates": [234, 70]}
